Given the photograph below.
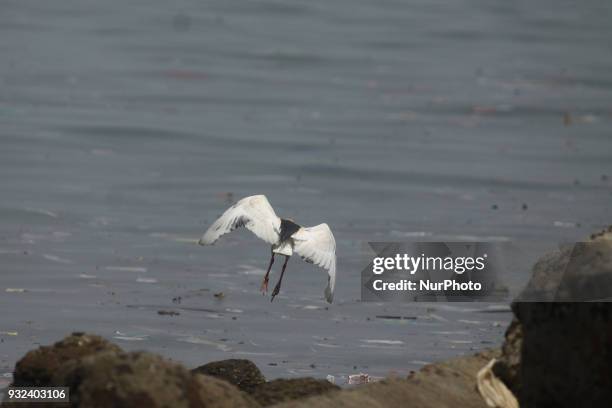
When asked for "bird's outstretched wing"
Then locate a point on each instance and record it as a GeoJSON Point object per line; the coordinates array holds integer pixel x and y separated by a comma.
{"type": "Point", "coordinates": [318, 246]}
{"type": "Point", "coordinates": [254, 212]}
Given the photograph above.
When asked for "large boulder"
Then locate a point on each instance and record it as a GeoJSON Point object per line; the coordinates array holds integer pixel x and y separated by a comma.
{"type": "Point", "coordinates": [281, 390]}
{"type": "Point", "coordinates": [37, 367]}
{"type": "Point", "coordinates": [244, 374]}
{"type": "Point", "coordinates": [564, 334]}
{"type": "Point", "coordinates": [575, 272]}
{"type": "Point", "coordinates": [449, 384]}
{"type": "Point", "coordinates": [566, 354]}
{"type": "Point", "coordinates": [142, 379]}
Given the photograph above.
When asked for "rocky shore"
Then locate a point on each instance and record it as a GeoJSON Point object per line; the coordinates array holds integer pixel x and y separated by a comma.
{"type": "Point", "coordinates": [555, 354]}
{"type": "Point", "coordinates": [100, 374]}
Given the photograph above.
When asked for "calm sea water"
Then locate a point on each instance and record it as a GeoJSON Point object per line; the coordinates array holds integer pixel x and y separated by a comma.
{"type": "Point", "coordinates": [126, 127]}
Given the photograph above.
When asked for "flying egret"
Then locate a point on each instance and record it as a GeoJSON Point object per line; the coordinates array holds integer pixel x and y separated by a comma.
{"type": "Point", "coordinates": [314, 244]}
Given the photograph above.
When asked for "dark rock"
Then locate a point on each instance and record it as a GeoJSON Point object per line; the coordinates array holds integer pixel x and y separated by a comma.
{"type": "Point", "coordinates": [507, 367]}
{"type": "Point", "coordinates": [142, 379]}
{"type": "Point", "coordinates": [244, 374]}
{"type": "Point", "coordinates": [281, 390]}
{"type": "Point", "coordinates": [567, 343]}
{"type": "Point", "coordinates": [37, 367]}
{"type": "Point", "coordinates": [566, 354]}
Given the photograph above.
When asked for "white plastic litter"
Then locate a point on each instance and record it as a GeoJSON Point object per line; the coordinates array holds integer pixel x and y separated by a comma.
{"type": "Point", "coordinates": [493, 390]}
{"type": "Point", "coordinates": [358, 379]}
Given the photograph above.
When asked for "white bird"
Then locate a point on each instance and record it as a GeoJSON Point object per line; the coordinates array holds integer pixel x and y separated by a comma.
{"type": "Point", "coordinates": [314, 244]}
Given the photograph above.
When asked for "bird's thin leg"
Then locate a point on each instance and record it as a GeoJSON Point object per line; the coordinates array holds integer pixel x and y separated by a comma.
{"type": "Point", "coordinates": [278, 285]}
{"type": "Point", "coordinates": [264, 284]}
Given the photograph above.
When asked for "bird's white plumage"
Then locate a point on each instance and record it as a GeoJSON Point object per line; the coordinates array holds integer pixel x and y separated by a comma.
{"type": "Point", "coordinates": [314, 244]}
{"type": "Point", "coordinates": [317, 245]}
{"type": "Point", "coordinates": [254, 212]}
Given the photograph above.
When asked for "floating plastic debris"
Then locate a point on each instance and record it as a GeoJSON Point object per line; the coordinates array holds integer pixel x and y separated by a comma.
{"type": "Point", "coordinates": [493, 390]}
{"type": "Point", "coordinates": [9, 333]}
{"type": "Point", "coordinates": [331, 379]}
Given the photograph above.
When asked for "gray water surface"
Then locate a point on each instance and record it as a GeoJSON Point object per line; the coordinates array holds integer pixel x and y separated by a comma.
{"type": "Point", "coordinates": [127, 127]}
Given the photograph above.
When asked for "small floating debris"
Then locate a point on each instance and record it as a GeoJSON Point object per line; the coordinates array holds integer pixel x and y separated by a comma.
{"type": "Point", "coordinates": [86, 276]}
{"type": "Point", "coordinates": [15, 290]}
{"type": "Point", "coordinates": [331, 379]}
{"type": "Point", "coordinates": [168, 313]}
{"type": "Point", "coordinates": [219, 295]}
{"type": "Point", "coordinates": [9, 333]}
